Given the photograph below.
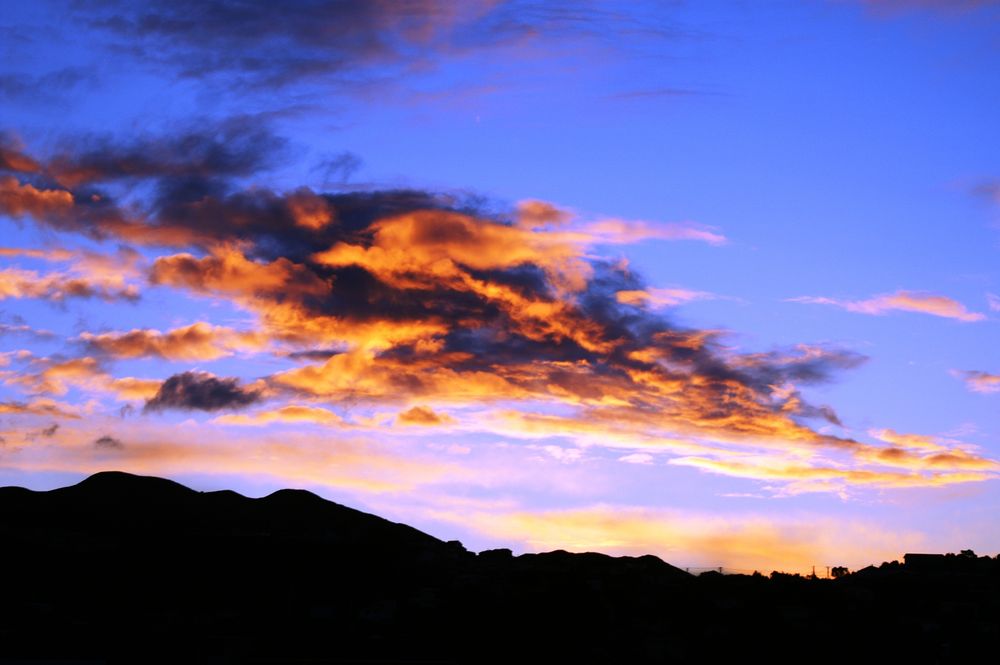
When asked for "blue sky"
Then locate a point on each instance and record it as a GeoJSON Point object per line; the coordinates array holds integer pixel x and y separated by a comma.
{"type": "Point", "coordinates": [755, 324]}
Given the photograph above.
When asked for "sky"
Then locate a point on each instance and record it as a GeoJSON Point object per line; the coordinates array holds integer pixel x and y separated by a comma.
{"type": "Point", "coordinates": [716, 281]}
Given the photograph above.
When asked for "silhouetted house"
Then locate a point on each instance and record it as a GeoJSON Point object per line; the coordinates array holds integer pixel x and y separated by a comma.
{"type": "Point", "coordinates": [917, 561]}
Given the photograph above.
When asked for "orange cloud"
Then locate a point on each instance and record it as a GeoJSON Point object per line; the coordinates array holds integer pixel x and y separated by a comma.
{"type": "Point", "coordinates": [86, 373]}
{"type": "Point", "coordinates": [360, 374]}
{"type": "Point", "coordinates": [425, 247]}
{"type": "Point", "coordinates": [292, 414]}
{"type": "Point", "coordinates": [18, 200]}
{"type": "Point", "coordinates": [227, 271]}
{"type": "Point", "coordinates": [38, 407]}
{"type": "Point", "coordinates": [310, 211]}
{"type": "Point", "coordinates": [907, 301]}
{"type": "Point", "coordinates": [422, 415]}
{"type": "Point", "coordinates": [57, 376]}
{"type": "Point", "coordinates": [130, 388]}
{"type": "Point", "coordinates": [533, 214]}
{"type": "Point", "coordinates": [199, 341]}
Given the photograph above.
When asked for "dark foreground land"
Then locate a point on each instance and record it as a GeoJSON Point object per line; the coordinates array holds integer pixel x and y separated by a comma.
{"type": "Point", "coordinates": [123, 568]}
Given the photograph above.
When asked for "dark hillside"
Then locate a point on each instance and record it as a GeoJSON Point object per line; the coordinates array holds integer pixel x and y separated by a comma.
{"type": "Point", "coordinates": [123, 568]}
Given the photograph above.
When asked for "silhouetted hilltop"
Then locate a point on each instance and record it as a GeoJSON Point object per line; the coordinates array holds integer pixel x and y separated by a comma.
{"type": "Point", "coordinates": [123, 568]}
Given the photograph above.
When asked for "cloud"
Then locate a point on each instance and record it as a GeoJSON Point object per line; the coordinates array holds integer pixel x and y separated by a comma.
{"type": "Point", "coordinates": [661, 297]}
{"type": "Point", "coordinates": [290, 415]}
{"type": "Point", "coordinates": [23, 199]}
{"type": "Point", "coordinates": [980, 382]}
{"type": "Point", "coordinates": [637, 458]}
{"type": "Point", "coordinates": [200, 391]}
{"type": "Point", "coordinates": [950, 6]}
{"type": "Point", "coordinates": [56, 375]}
{"type": "Point", "coordinates": [48, 87]}
{"type": "Point", "coordinates": [235, 146]}
{"type": "Point", "coordinates": [108, 443]}
{"type": "Point", "coordinates": [907, 301]}
{"type": "Point", "coordinates": [198, 341]}
{"type": "Point", "coordinates": [798, 478]}
{"type": "Point", "coordinates": [402, 297]}
{"type": "Point", "coordinates": [58, 287]}
{"type": "Point", "coordinates": [15, 325]}
{"type": "Point", "coordinates": [336, 170]}
{"type": "Point", "coordinates": [422, 415]}
{"type": "Point", "coordinates": [347, 44]}
{"type": "Point", "coordinates": [13, 158]}
{"type": "Point", "coordinates": [994, 301]}
{"type": "Point", "coordinates": [85, 275]}
{"type": "Point", "coordinates": [619, 231]}
{"type": "Point", "coordinates": [918, 441]}
{"type": "Point", "coordinates": [37, 407]}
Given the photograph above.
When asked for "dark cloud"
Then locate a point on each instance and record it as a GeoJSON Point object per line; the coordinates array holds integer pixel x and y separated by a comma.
{"type": "Point", "coordinates": [49, 87]}
{"type": "Point", "coordinates": [108, 443]}
{"type": "Point", "coordinates": [336, 170]}
{"type": "Point", "coordinates": [313, 355]}
{"type": "Point", "coordinates": [236, 146]}
{"type": "Point", "coordinates": [262, 45]}
{"type": "Point", "coordinates": [50, 430]}
{"type": "Point", "coordinates": [201, 391]}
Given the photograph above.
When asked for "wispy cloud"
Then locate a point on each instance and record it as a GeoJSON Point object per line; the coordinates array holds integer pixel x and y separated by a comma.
{"type": "Point", "coordinates": [661, 297]}
{"type": "Point", "coordinates": [950, 6]}
{"type": "Point", "coordinates": [346, 45]}
{"type": "Point", "coordinates": [980, 382]}
{"type": "Point", "coordinates": [904, 301]}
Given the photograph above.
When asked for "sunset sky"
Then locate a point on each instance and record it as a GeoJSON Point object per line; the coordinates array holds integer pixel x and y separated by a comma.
{"type": "Point", "coordinates": [717, 281]}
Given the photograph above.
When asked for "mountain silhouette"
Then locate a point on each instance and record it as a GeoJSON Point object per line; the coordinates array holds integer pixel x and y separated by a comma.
{"type": "Point", "coordinates": [122, 568]}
